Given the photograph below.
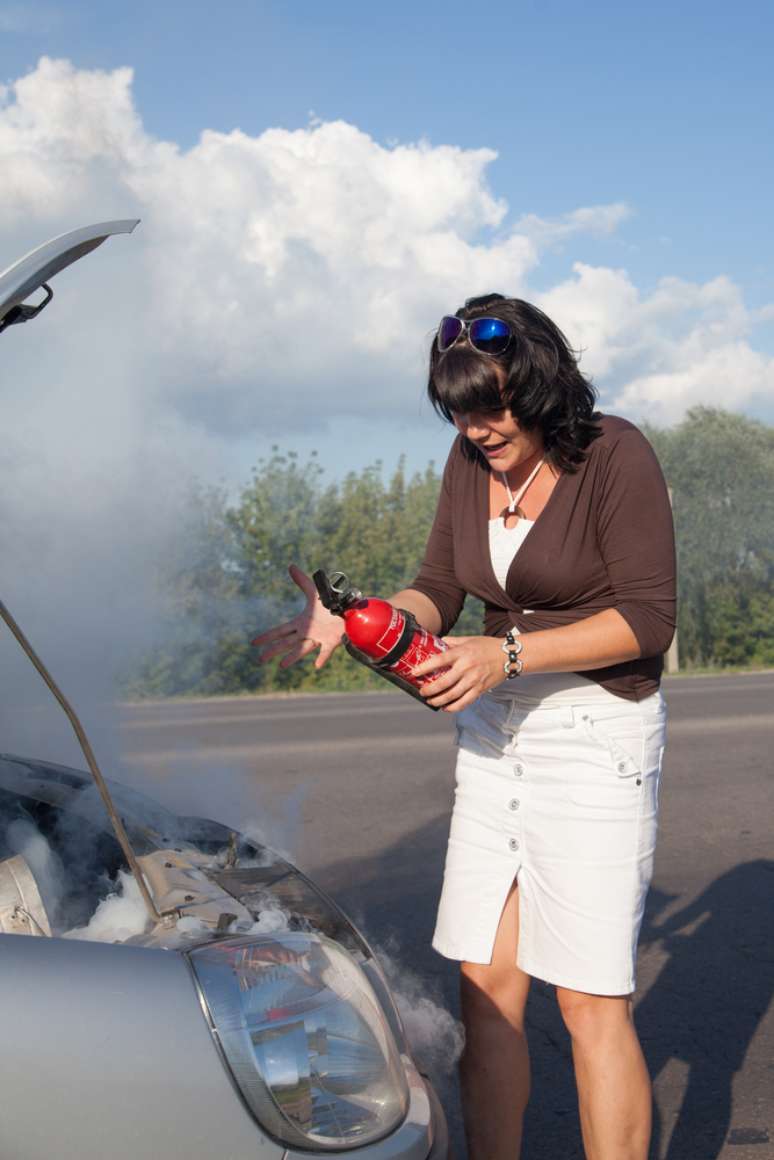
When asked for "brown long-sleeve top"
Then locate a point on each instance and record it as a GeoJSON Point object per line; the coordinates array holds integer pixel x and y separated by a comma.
{"type": "Point", "coordinates": [603, 540]}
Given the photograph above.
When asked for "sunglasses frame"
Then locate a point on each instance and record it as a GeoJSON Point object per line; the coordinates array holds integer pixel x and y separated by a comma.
{"type": "Point", "coordinates": [466, 324]}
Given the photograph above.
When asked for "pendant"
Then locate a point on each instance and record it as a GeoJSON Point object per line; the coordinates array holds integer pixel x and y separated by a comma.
{"type": "Point", "coordinates": [518, 513]}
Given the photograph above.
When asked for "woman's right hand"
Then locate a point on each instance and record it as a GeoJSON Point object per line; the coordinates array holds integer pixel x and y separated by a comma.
{"type": "Point", "coordinates": [313, 628]}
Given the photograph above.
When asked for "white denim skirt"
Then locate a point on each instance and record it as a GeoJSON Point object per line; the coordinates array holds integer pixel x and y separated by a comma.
{"type": "Point", "coordinates": [557, 789]}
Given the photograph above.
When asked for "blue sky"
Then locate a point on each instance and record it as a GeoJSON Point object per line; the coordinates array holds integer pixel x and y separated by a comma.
{"type": "Point", "coordinates": [665, 106]}
{"type": "Point", "coordinates": [665, 109]}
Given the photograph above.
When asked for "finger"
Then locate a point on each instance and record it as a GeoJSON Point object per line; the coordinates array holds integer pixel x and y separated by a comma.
{"type": "Point", "coordinates": [325, 654]}
{"type": "Point", "coordinates": [439, 683]}
{"type": "Point", "coordinates": [463, 702]}
{"type": "Point", "coordinates": [452, 696]}
{"type": "Point", "coordinates": [302, 581]}
{"type": "Point", "coordinates": [276, 650]}
{"type": "Point", "coordinates": [302, 650]}
{"type": "Point", "coordinates": [277, 633]}
{"type": "Point", "coordinates": [434, 686]}
{"type": "Point", "coordinates": [440, 698]}
{"type": "Point", "coordinates": [437, 661]}
{"type": "Point", "coordinates": [455, 641]}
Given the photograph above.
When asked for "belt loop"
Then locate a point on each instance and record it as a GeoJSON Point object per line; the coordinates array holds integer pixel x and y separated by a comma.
{"type": "Point", "coordinates": [568, 717]}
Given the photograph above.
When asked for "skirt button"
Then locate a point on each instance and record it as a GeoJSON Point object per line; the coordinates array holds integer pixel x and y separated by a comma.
{"type": "Point", "coordinates": [514, 845]}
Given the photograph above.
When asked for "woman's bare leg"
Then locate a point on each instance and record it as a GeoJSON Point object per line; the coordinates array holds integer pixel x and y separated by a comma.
{"type": "Point", "coordinates": [494, 1069]}
{"type": "Point", "coordinates": [614, 1089]}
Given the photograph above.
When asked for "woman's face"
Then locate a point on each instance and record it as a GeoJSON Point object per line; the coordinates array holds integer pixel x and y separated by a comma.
{"type": "Point", "coordinates": [499, 437]}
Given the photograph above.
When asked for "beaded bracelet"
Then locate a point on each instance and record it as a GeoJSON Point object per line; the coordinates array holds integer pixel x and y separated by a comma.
{"type": "Point", "coordinates": [512, 647]}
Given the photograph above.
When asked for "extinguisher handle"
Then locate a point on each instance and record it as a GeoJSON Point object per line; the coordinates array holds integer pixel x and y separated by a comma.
{"type": "Point", "coordinates": [335, 591]}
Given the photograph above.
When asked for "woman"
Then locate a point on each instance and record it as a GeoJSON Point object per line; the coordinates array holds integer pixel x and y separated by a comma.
{"type": "Point", "coordinates": [559, 520]}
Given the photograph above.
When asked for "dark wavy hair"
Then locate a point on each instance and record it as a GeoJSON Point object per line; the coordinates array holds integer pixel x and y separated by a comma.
{"type": "Point", "coordinates": [536, 377]}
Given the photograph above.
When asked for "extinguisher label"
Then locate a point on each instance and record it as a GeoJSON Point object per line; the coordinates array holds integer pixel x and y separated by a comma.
{"type": "Point", "coordinates": [389, 637]}
{"type": "Point", "coordinates": [422, 647]}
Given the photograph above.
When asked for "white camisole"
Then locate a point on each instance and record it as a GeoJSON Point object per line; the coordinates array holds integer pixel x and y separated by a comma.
{"type": "Point", "coordinates": [545, 688]}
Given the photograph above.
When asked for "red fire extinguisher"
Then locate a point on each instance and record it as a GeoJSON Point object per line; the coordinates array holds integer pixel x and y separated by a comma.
{"type": "Point", "coordinates": [387, 639]}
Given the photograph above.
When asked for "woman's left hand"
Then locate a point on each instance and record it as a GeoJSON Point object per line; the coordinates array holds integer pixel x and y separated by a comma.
{"type": "Point", "coordinates": [475, 664]}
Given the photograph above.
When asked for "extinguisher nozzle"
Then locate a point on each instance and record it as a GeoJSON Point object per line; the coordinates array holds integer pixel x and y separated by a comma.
{"type": "Point", "coordinates": [335, 591]}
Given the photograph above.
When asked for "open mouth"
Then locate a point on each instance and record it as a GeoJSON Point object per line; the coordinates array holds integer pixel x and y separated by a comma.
{"type": "Point", "coordinates": [492, 450]}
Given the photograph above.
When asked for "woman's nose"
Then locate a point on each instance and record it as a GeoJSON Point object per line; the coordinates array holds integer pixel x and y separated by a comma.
{"type": "Point", "coordinates": [474, 426]}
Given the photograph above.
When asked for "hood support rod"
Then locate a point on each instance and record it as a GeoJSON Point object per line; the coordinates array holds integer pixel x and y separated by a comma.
{"type": "Point", "coordinates": [88, 752]}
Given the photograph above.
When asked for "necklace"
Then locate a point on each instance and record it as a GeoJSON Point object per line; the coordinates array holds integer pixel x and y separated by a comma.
{"type": "Point", "coordinates": [514, 500]}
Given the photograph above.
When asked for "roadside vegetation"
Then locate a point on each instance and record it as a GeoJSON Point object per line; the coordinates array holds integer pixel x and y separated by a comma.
{"type": "Point", "coordinates": [373, 526]}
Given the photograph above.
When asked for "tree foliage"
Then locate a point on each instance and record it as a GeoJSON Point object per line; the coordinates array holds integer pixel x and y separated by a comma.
{"type": "Point", "coordinates": [228, 579]}
{"type": "Point", "coordinates": [720, 468]}
{"type": "Point", "coordinates": [232, 580]}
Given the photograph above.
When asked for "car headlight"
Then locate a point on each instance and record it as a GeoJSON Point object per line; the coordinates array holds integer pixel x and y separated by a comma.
{"type": "Point", "coordinates": [305, 1037]}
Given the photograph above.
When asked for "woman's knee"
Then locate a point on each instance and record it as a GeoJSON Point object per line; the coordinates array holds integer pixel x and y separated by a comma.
{"type": "Point", "coordinates": [490, 992]}
{"type": "Point", "coordinates": [589, 1017]}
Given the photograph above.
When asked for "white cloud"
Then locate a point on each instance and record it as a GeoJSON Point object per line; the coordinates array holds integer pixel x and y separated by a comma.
{"type": "Point", "coordinates": [595, 219]}
{"type": "Point", "coordinates": [655, 356]}
{"type": "Point", "coordinates": [269, 269]}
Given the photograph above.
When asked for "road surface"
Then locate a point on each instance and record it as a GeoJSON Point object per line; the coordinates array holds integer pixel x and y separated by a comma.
{"type": "Point", "coordinates": [357, 789]}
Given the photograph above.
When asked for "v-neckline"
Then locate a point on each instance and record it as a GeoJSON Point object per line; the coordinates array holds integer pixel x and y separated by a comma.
{"type": "Point", "coordinates": [484, 528]}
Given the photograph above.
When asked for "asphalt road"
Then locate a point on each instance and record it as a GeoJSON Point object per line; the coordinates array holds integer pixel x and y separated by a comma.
{"type": "Point", "coordinates": [357, 789]}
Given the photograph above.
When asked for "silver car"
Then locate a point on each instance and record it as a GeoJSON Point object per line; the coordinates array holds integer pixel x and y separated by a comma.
{"type": "Point", "coordinates": [169, 988]}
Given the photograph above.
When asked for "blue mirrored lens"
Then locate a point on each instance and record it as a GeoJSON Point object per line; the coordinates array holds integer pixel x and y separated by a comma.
{"type": "Point", "coordinates": [449, 331]}
{"type": "Point", "coordinates": [489, 335]}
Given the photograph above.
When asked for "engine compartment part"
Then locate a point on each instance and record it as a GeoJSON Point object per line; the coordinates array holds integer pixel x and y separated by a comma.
{"type": "Point", "coordinates": [209, 880]}
{"type": "Point", "coordinates": [21, 907]}
{"type": "Point", "coordinates": [115, 818]}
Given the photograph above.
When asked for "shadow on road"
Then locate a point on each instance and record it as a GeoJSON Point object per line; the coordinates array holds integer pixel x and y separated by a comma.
{"type": "Point", "coordinates": [703, 1008]}
{"type": "Point", "coordinates": [706, 1003]}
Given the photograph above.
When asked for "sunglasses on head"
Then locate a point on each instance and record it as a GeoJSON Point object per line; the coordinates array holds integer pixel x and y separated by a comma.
{"type": "Point", "coordinates": [488, 335]}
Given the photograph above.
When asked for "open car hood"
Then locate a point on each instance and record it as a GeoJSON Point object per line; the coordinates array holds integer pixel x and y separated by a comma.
{"type": "Point", "coordinates": [35, 269]}
{"type": "Point", "coordinates": [195, 864]}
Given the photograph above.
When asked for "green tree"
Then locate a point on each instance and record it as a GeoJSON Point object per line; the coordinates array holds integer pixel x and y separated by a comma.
{"type": "Point", "coordinates": [227, 577]}
{"type": "Point", "coordinates": [231, 580]}
{"type": "Point", "coordinates": [720, 467]}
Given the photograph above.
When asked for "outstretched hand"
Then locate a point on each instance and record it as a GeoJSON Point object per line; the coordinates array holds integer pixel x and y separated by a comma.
{"type": "Point", "coordinates": [475, 664]}
{"type": "Point", "coordinates": [313, 628]}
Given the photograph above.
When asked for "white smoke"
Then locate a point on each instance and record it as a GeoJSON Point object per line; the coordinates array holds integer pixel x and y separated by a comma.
{"type": "Point", "coordinates": [271, 920]}
{"type": "Point", "coordinates": [120, 916]}
{"type": "Point", "coordinates": [23, 837]}
{"type": "Point", "coordinates": [436, 1038]}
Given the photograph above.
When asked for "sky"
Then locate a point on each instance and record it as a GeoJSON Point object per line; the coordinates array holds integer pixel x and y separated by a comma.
{"type": "Point", "coordinates": [318, 184]}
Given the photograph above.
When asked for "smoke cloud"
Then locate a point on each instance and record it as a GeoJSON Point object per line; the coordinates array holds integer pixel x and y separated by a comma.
{"type": "Point", "coordinates": [23, 837]}
{"type": "Point", "coordinates": [118, 917]}
{"type": "Point", "coordinates": [436, 1038]}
